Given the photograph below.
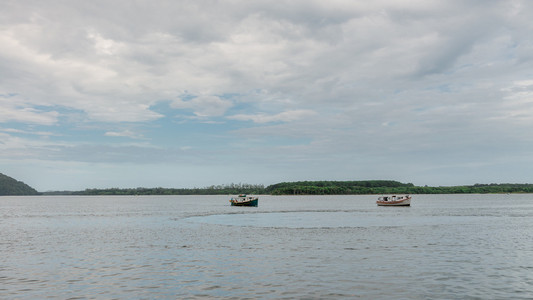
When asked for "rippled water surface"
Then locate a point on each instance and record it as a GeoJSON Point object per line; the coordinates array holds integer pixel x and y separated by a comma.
{"type": "Point", "coordinates": [442, 247]}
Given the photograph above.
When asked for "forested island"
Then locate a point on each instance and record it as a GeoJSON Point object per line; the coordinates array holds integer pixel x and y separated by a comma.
{"type": "Point", "coordinates": [387, 187]}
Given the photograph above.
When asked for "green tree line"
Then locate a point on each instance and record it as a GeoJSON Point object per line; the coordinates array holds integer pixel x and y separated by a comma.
{"type": "Point", "coordinates": [388, 187]}
{"type": "Point", "coordinates": [210, 190]}
{"type": "Point", "coordinates": [10, 186]}
{"type": "Point", "coordinates": [338, 187]}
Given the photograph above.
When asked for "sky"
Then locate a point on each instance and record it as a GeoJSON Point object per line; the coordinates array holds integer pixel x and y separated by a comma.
{"type": "Point", "coordinates": [179, 94]}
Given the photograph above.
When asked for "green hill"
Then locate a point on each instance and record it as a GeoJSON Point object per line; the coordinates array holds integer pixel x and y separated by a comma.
{"type": "Point", "coordinates": [338, 187]}
{"type": "Point", "coordinates": [12, 187]}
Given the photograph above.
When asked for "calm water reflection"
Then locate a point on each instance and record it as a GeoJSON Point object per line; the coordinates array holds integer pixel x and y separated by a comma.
{"type": "Point", "coordinates": [443, 247]}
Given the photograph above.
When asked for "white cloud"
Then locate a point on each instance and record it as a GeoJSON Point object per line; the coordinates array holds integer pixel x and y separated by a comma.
{"type": "Point", "coordinates": [38, 133]}
{"type": "Point", "coordinates": [438, 75]}
{"type": "Point", "coordinates": [286, 116]}
{"type": "Point", "coordinates": [124, 133]}
{"type": "Point", "coordinates": [518, 104]}
{"type": "Point", "coordinates": [105, 46]}
{"type": "Point", "coordinates": [13, 109]}
{"type": "Point", "coordinates": [204, 106]}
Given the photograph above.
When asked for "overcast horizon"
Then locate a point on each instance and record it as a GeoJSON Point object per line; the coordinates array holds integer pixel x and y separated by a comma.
{"type": "Point", "coordinates": [102, 94]}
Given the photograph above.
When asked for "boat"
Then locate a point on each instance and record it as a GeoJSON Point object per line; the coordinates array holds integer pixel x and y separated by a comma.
{"type": "Point", "coordinates": [244, 200]}
{"type": "Point", "coordinates": [394, 200]}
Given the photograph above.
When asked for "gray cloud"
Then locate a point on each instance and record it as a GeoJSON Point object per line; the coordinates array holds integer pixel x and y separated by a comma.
{"type": "Point", "coordinates": [416, 84]}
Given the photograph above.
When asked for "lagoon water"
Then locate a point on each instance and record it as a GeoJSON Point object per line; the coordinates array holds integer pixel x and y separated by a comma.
{"type": "Point", "coordinates": [317, 247]}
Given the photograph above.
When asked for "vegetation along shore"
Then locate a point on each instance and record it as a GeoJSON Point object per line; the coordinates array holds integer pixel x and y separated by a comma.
{"type": "Point", "coordinates": [10, 186]}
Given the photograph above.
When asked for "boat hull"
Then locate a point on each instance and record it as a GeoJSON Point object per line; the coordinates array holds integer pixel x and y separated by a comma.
{"type": "Point", "coordinates": [401, 202]}
{"type": "Point", "coordinates": [253, 202]}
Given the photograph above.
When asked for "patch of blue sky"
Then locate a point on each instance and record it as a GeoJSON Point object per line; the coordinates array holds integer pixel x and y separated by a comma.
{"type": "Point", "coordinates": [8, 95]}
{"type": "Point", "coordinates": [74, 125]}
{"type": "Point", "coordinates": [277, 141]}
{"type": "Point", "coordinates": [181, 131]}
{"type": "Point", "coordinates": [16, 126]}
{"type": "Point", "coordinates": [242, 108]}
{"type": "Point", "coordinates": [181, 128]}
{"type": "Point", "coordinates": [163, 107]}
{"type": "Point", "coordinates": [220, 134]}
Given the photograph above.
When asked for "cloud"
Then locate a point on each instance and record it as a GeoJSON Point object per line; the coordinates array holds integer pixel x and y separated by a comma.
{"type": "Point", "coordinates": [114, 69]}
{"type": "Point", "coordinates": [518, 104]}
{"type": "Point", "coordinates": [14, 109]}
{"type": "Point", "coordinates": [371, 78]}
{"type": "Point", "coordinates": [124, 133]}
{"type": "Point", "coordinates": [38, 133]}
{"type": "Point", "coordinates": [204, 106]}
{"type": "Point", "coordinates": [287, 116]}
{"type": "Point", "coordinates": [104, 46]}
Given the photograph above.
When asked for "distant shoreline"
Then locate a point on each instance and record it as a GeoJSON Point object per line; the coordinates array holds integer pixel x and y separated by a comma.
{"type": "Point", "coordinates": [11, 187]}
{"type": "Point", "coordinates": [368, 187]}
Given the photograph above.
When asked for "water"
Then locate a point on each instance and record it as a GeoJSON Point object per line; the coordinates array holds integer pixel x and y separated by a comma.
{"type": "Point", "coordinates": [327, 247]}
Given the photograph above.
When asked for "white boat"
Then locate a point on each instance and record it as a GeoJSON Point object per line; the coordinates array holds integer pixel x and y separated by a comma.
{"type": "Point", "coordinates": [394, 200]}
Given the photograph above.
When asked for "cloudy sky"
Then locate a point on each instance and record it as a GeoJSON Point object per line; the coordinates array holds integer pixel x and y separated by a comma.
{"type": "Point", "coordinates": [97, 94]}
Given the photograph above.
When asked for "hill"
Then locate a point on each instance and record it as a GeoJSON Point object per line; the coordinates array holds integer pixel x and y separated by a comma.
{"type": "Point", "coordinates": [339, 187]}
{"type": "Point", "coordinates": [11, 187]}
